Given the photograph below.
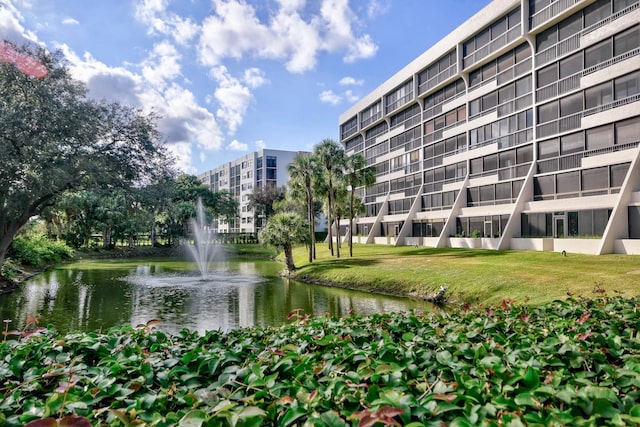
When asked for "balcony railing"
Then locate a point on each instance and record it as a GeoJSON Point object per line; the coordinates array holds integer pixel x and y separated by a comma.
{"type": "Point", "coordinates": [374, 117]}
{"type": "Point", "coordinates": [514, 72]}
{"type": "Point", "coordinates": [511, 172]}
{"type": "Point", "coordinates": [434, 81]}
{"type": "Point", "coordinates": [574, 161]}
{"type": "Point", "coordinates": [399, 102]}
{"type": "Point", "coordinates": [560, 125]}
{"type": "Point", "coordinates": [573, 43]}
{"type": "Point", "coordinates": [492, 46]}
{"type": "Point", "coordinates": [514, 105]}
{"type": "Point", "coordinates": [572, 82]}
{"type": "Point", "coordinates": [550, 11]}
{"type": "Point", "coordinates": [615, 104]}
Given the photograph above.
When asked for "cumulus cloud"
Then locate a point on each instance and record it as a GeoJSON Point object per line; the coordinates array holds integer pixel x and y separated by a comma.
{"type": "Point", "coordinates": [350, 81]}
{"type": "Point", "coordinates": [159, 20]}
{"type": "Point", "coordinates": [291, 34]}
{"type": "Point", "coordinates": [260, 145]}
{"type": "Point", "coordinates": [351, 97]}
{"type": "Point", "coordinates": [254, 77]}
{"type": "Point", "coordinates": [162, 65]}
{"type": "Point", "coordinates": [70, 21]}
{"type": "Point", "coordinates": [11, 28]}
{"type": "Point", "coordinates": [232, 96]}
{"type": "Point", "coordinates": [330, 97]}
{"type": "Point", "coordinates": [236, 145]}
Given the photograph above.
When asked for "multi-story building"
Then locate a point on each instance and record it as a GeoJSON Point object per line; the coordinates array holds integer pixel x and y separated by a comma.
{"type": "Point", "coordinates": [521, 126]}
{"type": "Point", "coordinates": [239, 177]}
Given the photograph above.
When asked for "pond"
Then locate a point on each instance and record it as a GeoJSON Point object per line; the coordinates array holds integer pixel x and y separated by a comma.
{"type": "Point", "coordinates": [98, 294]}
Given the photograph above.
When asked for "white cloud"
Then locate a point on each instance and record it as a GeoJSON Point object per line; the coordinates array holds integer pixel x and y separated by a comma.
{"type": "Point", "coordinates": [377, 8]}
{"type": "Point", "coordinates": [235, 31]}
{"type": "Point", "coordinates": [70, 21]}
{"type": "Point", "coordinates": [329, 97]}
{"type": "Point", "coordinates": [260, 145]}
{"type": "Point", "coordinates": [351, 97]}
{"type": "Point", "coordinates": [181, 152]}
{"type": "Point", "coordinates": [233, 98]}
{"type": "Point", "coordinates": [11, 28]}
{"type": "Point", "coordinates": [350, 81]}
{"type": "Point", "coordinates": [159, 20]}
{"type": "Point", "coordinates": [163, 64]}
{"type": "Point", "coordinates": [254, 77]}
{"type": "Point", "coordinates": [237, 146]}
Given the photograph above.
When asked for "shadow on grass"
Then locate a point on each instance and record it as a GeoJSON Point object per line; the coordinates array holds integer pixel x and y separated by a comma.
{"type": "Point", "coordinates": [337, 263]}
{"type": "Point", "coordinates": [449, 252]}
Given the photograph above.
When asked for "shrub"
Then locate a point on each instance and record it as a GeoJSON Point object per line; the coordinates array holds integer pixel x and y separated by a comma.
{"type": "Point", "coordinates": [38, 251]}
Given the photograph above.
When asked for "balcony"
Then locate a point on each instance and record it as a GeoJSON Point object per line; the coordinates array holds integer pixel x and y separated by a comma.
{"type": "Point", "coordinates": [494, 45]}
{"type": "Point", "coordinates": [563, 124]}
{"type": "Point", "coordinates": [551, 11]}
{"type": "Point", "coordinates": [573, 43]}
{"type": "Point", "coordinates": [439, 78]}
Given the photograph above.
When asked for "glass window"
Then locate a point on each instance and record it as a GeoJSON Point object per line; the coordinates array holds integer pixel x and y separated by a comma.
{"type": "Point", "coordinates": [548, 75]}
{"type": "Point", "coordinates": [628, 85]}
{"type": "Point", "coordinates": [524, 154]}
{"type": "Point", "coordinates": [489, 101]}
{"type": "Point", "coordinates": [506, 93]}
{"type": "Point", "coordinates": [596, 12]}
{"type": "Point", "coordinates": [514, 18]}
{"type": "Point", "coordinates": [628, 131]}
{"type": "Point", "coordinates": [595, 178]}
{"type": "Point", "coordinates": [503, 191]}
{"type": "Point", "coordinates": [476, 165]}
{"type": "Point", "coordinates": [483, 38]}
{"type": "Point", "coordinates": [624, 42]}
{"type": "Point", "coordinates": [570, 26]}
{"type": "Point", "coordinates": [571, 65]}
{"type": "Point", "coordinates": [491, 162]}
{"type": "Point", "coordinates": [498, 28]}
{"type": "Point", "coordinates": [573, 143]}
{"type": "Point", "coordinates": [600, 137]}
{"type": "Point", "coordinates": [568, 182]}
{"type": "Point", "coordinates": [571, 104]}
{"type": "Point", "coordinates": [618, 5]}
{"type": "Point", "coordinates": [507, 158]}
{"type": "Point", "coordinates": [600, 220]}
{"type": "Point", "coordinates": [618, 174]}
{"type": "Point", "coordinates": [546, 39]}
{"type": "Point", "coordinates": [596, 54]}
{"type": "Point", "coordinates": [544, 185]}
{"type": "Point", "coordinates": [548, 112]}
{"type": "Point", "coordinates": [585, 223]}
{"type": "Point", "coordinates": [487, 193]}
{"type": "Point", "coordinates": [505, 61]}
{"type": "Point", "coordinates": [523, 86]}
{"type": "Point", "coordinates": [548, 149]}
{"type": "Point", "coordinates": [474, 107]}
{"type": "Point", "coordinates": [598, 95]}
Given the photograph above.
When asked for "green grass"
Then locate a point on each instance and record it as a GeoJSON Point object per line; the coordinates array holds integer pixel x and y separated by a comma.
{"type": "Point", "coordinates": [473, 275]}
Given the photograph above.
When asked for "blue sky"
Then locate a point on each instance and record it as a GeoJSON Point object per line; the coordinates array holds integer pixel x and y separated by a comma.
{"type": "Point", "coordinates": [229, 77]}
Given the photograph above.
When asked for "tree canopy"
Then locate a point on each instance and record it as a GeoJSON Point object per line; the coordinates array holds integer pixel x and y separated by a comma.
{"type": "Point", "coordinates": [54, 138]}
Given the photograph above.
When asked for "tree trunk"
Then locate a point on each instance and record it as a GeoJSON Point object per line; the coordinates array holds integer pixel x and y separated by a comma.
{"type": "Point", "coordinates": [337, 237]}
{"type": "Point", "coordinates": [351, 223]}
{"type": "Point", "coordinates": [329, 218]}
{"type": "Point", "coordinates": [153, 235]}
{"type": "Point", "coordinates": [288, 258]}
{"type": "Point", "coordinates": [311, 236]}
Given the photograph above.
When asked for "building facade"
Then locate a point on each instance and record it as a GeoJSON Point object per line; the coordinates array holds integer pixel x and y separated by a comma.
{"type": "Point", "coordinates": [239, 177]}
{"type": "Point", "coordinates": [519, 130]}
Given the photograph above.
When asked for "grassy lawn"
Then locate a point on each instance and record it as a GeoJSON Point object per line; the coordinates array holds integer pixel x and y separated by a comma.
{"type": "Point", "coordinates": [473, 275]}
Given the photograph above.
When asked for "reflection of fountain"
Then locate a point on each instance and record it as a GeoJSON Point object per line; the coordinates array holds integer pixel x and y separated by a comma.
{"type": "Point", "coordinates": [203, 250]}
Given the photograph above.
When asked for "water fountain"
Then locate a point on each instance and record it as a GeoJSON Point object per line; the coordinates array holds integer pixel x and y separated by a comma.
{"type": "Point", "coordinates": [203, 250]}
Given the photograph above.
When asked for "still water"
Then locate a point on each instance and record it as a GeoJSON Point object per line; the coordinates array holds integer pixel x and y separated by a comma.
{"type": "Point", "coordinates": [96, 295]}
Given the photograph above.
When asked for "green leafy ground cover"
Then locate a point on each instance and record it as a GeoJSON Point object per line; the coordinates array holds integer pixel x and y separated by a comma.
{"type": "Point", "coordinates": [565, 363]}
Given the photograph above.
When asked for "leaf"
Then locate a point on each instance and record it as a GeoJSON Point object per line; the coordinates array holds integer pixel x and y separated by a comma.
{"type": "Point", "coordinates": [531, 378]}
{"type": "Point", "coordinates": [604, 408]}
{"type": "Point", "coordinates": [291, 415]}
{"type": "Point", "coordinates": [43, 422]}
{"type": "Point", "coordinates": [251, 411]}
{"type": "Point", "coordinates": [193, 418]}
{"type": "Point", "coordinates": [74, 421]}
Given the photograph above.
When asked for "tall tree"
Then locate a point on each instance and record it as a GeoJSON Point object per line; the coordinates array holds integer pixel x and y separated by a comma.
{"type": "Point", "coordinates": [53, 138]}
{"type": "Point", "coordinates": [356, 174]}
{"type": "Point", "coordinates": [331, 156]}
{"type": "Point", "coordinates": [282, 231]}
{"type": "Point", "coordinates": [304, 170]}
{"type": "Point", "coordinates": [261, 201]}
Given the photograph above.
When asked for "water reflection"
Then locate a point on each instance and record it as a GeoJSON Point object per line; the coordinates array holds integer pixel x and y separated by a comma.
{"type": "Point", "coordinates": [240, 294]}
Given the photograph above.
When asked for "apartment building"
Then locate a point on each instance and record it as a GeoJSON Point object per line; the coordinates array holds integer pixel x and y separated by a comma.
{"type": "Point", "coordinates": [239, 177]}
{"type": "Point", "coordinates": [518, 130]}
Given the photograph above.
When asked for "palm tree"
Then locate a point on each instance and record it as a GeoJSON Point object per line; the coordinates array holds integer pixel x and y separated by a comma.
{"type": "Point", "coordinates": [282, 231]}
{"type": "Point", "coordinates": [304, 170]}
{"type": "Point", "coordinates": [331, 156]}
{"type": "Point", "coordinates": [356, 174]}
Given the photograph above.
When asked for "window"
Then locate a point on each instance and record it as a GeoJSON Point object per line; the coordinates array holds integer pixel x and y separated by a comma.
{"type": "Point", "coordinates": [626, 41]}
{"type": "Point", "coordinates": [618, 174]}
{"type": "Point", "coordinates": [618, 5]}
{"type": "Point", "coordinates": [598, 95]}
{"type": "Point", "coordinates": [628, 85]}
{"type": "Point", "coordinates": [573, 143]}
{"type": "Point", "coordinates": [600, 137]}
{"type": "Point", "coordinates": [595, 178]}
{"type": "Point", "coordinates": [571, 104]}
{"type": "Point", "coordinates": [548, 112]}
{"type": "Point", "coordinates": [546, 39]}
{"type": "Point", "coordinates": [548, 149]}
{"type": "Point", "coordinates": [571, 65]}
{"type": "Point", "coordinates": [570, 26]}
{"type": "Point", "coordinates": [544, 186]}
{"type": "Point", "coordinates": [627, 131]}
{"type": "Point", "coordinates": [524, 154]}
{"type": "Point", "coordinates": [596, 54]}
{"type": "Point", "coordinates": [596, 12]}
{"type": "Point", "coordinates": [568, 182]}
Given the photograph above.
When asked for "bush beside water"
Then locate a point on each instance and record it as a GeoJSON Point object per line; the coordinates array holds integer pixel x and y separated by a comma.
{"type": "Point", "coordinates": [565, 363]}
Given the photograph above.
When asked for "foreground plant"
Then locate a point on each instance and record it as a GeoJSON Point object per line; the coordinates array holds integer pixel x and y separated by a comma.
{"type": "Point", "coordinates": [565, 363]}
